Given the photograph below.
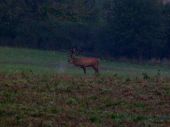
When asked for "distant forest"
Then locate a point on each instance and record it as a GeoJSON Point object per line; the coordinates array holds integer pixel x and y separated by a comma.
{"type": "Point", "coordinates": [134, 29]}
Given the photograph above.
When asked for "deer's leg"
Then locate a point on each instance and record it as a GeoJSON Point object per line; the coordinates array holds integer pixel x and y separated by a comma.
{"type": "Point", "coordinates": [84, 69]}
{"type": "Point", "coordinates": [96, 69]}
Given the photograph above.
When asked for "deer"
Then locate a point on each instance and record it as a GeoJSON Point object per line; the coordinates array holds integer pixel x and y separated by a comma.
{"type": "Point", "coordinates": [84, 62]}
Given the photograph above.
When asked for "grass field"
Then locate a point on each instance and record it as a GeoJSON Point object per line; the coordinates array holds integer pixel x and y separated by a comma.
{"type": "Point", "coordinates": [18, 60]}
{"type": "Point", "coordinates": [40, 89]}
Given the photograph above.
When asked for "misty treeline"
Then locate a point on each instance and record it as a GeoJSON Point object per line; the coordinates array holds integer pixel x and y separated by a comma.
{"type": "Point", "coordinates": [136, 29]}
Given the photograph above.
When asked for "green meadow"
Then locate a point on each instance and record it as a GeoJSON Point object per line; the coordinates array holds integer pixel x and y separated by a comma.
{"type": "Point", "coordinates": [23, 60]}
{"type": "Point", "coordinates": [40, 89]}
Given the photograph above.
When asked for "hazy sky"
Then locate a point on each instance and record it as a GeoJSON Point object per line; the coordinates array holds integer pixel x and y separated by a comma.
{"type": "Point", "coordinates": [166, 1]}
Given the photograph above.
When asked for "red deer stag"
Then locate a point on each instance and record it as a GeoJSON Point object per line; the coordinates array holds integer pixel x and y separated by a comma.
{"type": "Point", "coordinates": [84, 62]}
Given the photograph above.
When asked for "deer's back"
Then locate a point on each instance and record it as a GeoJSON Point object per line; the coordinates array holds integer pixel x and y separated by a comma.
{"type": "Point", "coordinates": [86, 61]}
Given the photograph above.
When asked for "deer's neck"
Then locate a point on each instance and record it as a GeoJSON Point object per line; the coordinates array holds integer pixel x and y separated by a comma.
{"type": "Point", "coordinates": [76, 61]}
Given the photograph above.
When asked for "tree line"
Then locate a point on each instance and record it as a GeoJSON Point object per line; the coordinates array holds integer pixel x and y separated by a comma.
{"type": "Point", "coordinates": [137, 29]}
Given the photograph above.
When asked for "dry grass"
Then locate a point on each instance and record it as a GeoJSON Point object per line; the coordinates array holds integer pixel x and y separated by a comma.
{"type": "Point", "coordinates": [32, 100]}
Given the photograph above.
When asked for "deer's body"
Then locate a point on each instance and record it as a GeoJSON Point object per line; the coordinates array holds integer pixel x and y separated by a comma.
{"type": "Point", "coordinates": [84, 62]}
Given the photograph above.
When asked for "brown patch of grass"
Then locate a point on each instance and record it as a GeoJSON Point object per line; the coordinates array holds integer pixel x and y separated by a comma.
{"type": "Point", "coordinates": [32, 100]}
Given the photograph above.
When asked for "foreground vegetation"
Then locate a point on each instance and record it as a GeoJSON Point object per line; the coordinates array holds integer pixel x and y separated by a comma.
{"type": "Point", "coordinates": [32, 100]}
{"type": "Point", "coordinates": [39, 89]}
